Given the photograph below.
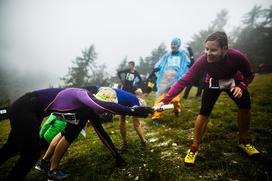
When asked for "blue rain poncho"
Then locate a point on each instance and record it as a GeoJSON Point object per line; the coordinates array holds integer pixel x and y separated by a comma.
{"type": "Point", "coordinates": [171, 67]}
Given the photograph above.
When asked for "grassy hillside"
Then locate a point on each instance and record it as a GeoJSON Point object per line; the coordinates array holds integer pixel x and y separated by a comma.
{"type": "Point", "coordinates": [220, 159]}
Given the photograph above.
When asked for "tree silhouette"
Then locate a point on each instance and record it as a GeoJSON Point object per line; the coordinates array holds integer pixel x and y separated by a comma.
{"type": "Point", "coordinates": [84, 70]}
{"type": "Point", "coordinates": [217, 24]}
{"type": "Point", "coordinates": [146, 64]}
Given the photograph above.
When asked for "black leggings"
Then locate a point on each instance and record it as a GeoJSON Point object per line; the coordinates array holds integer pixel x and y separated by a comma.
{"type": "Point", "coordinates": [71, 131]}
{"type": "Point", "coordinates": [24, 136]}
{"type": "Point", "coordinates": [210, 96]}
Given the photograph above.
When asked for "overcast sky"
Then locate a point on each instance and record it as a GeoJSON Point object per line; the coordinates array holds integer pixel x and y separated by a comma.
{"type": "Point", "coordinates": [46, 35]}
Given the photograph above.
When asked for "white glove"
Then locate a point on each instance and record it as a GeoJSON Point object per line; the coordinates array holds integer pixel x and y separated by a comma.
{"type": "Point", "coordinates": [158, 106]}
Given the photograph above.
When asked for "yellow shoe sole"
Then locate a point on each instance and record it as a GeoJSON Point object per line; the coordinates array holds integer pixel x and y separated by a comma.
{"type": "Point", "coordinates": [190, 158]}
{"type": "Point", "coordinates": [249, 149]}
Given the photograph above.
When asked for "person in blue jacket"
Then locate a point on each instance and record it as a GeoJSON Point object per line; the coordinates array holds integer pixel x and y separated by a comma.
{"type": "Point", "coordinates": [170, 68]}
{"type": "Point", "coordinates": [126, 99]}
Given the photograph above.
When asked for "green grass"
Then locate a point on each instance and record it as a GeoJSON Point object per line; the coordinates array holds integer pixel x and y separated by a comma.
{"type": "Point", "coordinates": [220, 159]}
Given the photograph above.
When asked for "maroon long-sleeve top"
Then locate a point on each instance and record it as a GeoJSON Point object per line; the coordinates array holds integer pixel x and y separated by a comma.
{"type": "Point", "coordinates": [227, 68]}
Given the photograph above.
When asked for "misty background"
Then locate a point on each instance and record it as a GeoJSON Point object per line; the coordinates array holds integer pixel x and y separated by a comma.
{"type": "Point", "coordinates": [42, 41]}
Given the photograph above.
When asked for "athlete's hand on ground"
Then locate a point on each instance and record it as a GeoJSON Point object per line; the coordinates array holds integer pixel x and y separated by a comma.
{"type": "Point", "coordinates": [120, 162]}
{"type": "Point", "coordinates": [236, 91]}
{"type": "Point", "coordinates": [141, 111]}
{"type": "Point", "coordinates": [158, 106]}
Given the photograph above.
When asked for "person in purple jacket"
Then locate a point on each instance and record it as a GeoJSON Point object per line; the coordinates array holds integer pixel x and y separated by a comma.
{"type": "Point", "coordinates": [222, 66]}
{"type": "Point", "coordinates": [74, 105]}
{"type": "Point", "coordinates": [62, 141]}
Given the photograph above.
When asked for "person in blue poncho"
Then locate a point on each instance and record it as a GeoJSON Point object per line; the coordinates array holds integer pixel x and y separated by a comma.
{"type": "Point", "coordinates": [170, 68]}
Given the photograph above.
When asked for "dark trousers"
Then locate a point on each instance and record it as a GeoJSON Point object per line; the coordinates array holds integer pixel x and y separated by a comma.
{"type": "Point", "coordinates": [210, 96]}
{"type": "Point", "coordinates": [24, 136]}
{"type": "Point", "coordinates": [130, 89]}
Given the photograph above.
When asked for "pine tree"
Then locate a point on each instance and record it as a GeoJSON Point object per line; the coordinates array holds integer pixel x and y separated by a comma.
{"type": "Point", "coordinates": [79, 73]}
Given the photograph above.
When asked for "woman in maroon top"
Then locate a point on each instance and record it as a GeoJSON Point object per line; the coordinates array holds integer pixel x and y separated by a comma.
{"type": "Point", "coordinates": [222, 66]}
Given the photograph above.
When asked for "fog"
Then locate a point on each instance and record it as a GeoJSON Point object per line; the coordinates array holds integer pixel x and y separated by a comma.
{"type": "Point", "coordinates": [39, 39]}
